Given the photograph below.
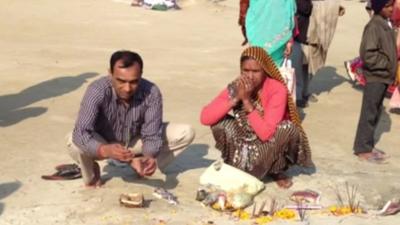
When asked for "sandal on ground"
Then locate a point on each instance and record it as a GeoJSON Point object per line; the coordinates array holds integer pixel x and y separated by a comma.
{"type": "Point", "coordinates": [374, 158]}
{"type": "Point", "coordinates": [66, 166]}
{"type": "Point", "coordinates": [380, 153]}
{"type": "Point", "coordinates": [64, 173]}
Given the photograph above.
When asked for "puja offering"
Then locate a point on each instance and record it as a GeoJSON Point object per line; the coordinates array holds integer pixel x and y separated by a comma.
{"type": "Point", "coordinates": [132, 200]}
{"type": "Point", "coordinates": [161, 193]}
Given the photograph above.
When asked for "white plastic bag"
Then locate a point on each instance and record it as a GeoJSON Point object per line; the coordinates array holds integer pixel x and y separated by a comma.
{"type": "Point", "coordinates": [230, 179]}
{"type": "Point", "coordinates": [288, 74]}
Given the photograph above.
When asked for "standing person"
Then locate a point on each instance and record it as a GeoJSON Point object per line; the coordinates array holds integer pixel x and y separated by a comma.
{"type": "Point", "coordinates": [121, 118]}
{"type": "Point", "coordinates": [322, 27]}
{"type": "Point", "coordinates": [304, 9]}
{"type": "Point", "coordinates": [261, 26]}
{"type": "Point", "coordinates": [379, 56]}
{"type": "Point", "coordinates": [354, 67]}
{"type": "Point", "coordinates": [321, 30]}
{"type": "Point", "coordinates": [264, 136]}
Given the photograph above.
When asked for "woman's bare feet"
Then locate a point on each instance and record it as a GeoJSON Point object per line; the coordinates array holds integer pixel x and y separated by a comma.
{"type": "Point", "coordinates": [96, 181]}
{"type": "Point", "coordinates": [282, 180]}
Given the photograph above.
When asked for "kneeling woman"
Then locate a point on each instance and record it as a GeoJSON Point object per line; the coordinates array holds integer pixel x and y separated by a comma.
{"type": "Point", "coordinates": [263, 136]}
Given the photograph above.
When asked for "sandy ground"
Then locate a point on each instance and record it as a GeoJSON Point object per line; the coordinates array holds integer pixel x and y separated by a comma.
{"type": "Point", "coordinates": [51, 50]}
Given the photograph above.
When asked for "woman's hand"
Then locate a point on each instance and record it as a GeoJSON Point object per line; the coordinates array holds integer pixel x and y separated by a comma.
{"type": "Point", "coordinates": [245, 88]}
{"type": "Point", "coordinates": [288, 49]}
{"type": "Point", "coordinates": [248, 106]}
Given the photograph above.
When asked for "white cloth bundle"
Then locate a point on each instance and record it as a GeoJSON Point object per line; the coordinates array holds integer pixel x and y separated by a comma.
{"type": "Point", "coordinates": [230, 179]}
{"type": "Point", "coordinates": [168, 3]}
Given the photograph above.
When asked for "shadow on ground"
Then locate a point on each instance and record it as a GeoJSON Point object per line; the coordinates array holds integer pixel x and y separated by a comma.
{"type": "Point", "coordinates": [293, 172]}
{"type": "Point", "coordinates": [14, 106]}
{"type": "Point", "coordinates": [191, 158]}
{"type": "Point", "coordinates": [326, 80]}
{"type": "Point", "coordinates": [7, 189]}
{"type": "Point", "coordinates": [384, 125]}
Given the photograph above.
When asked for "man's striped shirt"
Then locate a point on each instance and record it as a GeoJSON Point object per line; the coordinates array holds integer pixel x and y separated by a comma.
{"type": "Point", "coordinates": [101, 112]}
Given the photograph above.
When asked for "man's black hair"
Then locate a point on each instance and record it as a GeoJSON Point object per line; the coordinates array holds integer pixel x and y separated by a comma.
{"type": "Point", "coordinates": [128, 59]}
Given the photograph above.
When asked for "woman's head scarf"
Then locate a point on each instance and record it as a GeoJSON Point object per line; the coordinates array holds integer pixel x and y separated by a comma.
{"type": "Point", "coordinates": [268, 65]}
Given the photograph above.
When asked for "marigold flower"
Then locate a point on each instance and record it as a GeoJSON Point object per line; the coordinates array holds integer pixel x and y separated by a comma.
{"type": "Point", "coordinates": [263, 220]}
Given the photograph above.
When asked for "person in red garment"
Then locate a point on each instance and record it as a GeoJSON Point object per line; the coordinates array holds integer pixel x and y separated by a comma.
{"type": "Point", "coordinates": [264, 135]}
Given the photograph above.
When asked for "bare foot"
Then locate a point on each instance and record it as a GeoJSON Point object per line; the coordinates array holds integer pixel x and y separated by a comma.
{"type": "Point", "coordinates": [282, 180]}
{"type": "Point", "coordinates": [372, 157]}
{"type": "Point", "coordinates": [137, 3]}
{"type": "Point", "coordinates": [96, 181]}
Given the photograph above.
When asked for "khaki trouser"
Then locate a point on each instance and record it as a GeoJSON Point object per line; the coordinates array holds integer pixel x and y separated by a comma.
{"type": "Point", "coordinates": [176, 138]}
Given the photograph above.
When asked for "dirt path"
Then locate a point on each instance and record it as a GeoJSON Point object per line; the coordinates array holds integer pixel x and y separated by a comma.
{"type": "Point", "coordinates": [51, 50]}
